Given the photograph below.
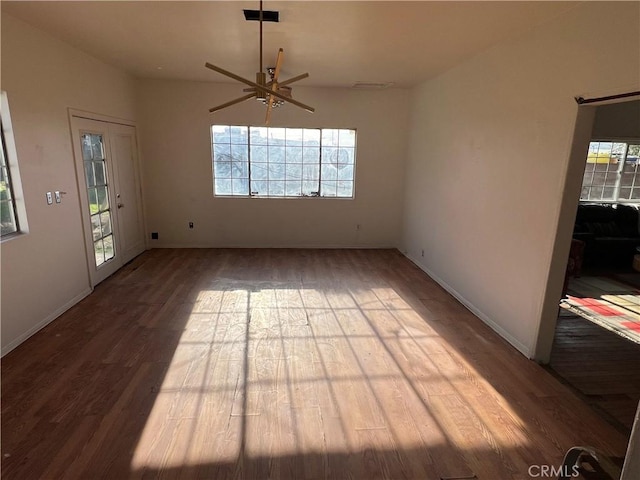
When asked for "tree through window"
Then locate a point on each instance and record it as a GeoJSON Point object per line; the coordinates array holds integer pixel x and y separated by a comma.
{"type": "Point", "coordinates": [283, 162]}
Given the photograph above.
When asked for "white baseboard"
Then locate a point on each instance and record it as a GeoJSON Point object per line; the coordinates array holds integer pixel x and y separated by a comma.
{"type": "Point", "coordinates": [263, 246]}
{"type": "Point", "coordinates": [40, 325]}
{"type": "Point", "coordinates": [522, 348]}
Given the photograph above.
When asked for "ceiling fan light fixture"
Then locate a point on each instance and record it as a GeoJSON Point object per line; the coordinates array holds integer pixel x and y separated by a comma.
{"type": "Point", "coordinates": [278, 102]}
{"type": "Point", "coordinates": [274, 93]}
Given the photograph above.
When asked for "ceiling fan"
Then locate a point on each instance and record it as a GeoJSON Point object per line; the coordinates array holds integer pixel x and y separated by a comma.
{"type": "Point", "coordinates": [273, 93]}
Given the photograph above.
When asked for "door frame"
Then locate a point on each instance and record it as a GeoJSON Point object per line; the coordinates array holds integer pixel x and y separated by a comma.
{"type": "Point", "coordinates": [564, 230]}
{"type": "Point", "coordinates": [582, 135]}
{"type": "Point", "coordinates": [81, 183]}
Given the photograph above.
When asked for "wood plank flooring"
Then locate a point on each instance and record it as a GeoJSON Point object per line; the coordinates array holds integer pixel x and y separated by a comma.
{"type": "Point", "coordinates": [282, 364]}
{"type": "Point", "coordinates": [603, 366]}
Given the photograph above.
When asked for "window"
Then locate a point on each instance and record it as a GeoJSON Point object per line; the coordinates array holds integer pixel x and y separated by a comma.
{"type": "Point", "coordinates": [11, 210]}
{"type": "Point", "coordinates": [283, 162]}
{"type": "Point", "coordinates": [8, 216]}
{"type": "Point", "coordinates": [95, 169]}
{"type": "Point", "coordinates": [611, 172]}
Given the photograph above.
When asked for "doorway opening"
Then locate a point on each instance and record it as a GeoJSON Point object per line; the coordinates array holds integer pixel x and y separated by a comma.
{"type": "Point", "coordinates": [596, 339]}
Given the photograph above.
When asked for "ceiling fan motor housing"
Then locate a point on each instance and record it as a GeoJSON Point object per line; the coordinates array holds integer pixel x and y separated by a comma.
{"type": "Point", "coordinates": [261, 79]}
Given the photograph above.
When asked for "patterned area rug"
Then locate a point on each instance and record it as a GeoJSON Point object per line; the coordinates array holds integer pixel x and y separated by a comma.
{"type": "Point", "coordinates": [606, 302]}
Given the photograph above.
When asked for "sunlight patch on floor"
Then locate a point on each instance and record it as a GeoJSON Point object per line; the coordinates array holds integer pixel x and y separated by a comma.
{"type": "Point", "coordinates": [272, 369]}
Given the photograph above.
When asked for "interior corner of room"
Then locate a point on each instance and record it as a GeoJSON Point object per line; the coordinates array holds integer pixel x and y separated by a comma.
{"type": "Point", "coordinates": [472, 164]}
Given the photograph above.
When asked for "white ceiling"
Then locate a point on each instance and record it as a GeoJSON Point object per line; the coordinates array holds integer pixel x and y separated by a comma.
{"type": "Point", "coordinates": [338, 43]}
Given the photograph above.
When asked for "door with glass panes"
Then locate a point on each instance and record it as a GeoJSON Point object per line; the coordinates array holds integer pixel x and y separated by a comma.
{"type": "Point", "coordinates": [109, 187]}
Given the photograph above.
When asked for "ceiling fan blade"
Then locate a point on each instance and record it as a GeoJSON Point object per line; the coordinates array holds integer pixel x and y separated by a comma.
{"type": "Point", "coordinates": [230, 74]}
{"type": "Point", "coordinates": [232, 102]}
{"type": "Point", "coordinates": [267, 119]}
{"type": "Point", "coordinates": [252, 89]}
{"type": "Point", "coordinates": [278, 65]}
{"type": "Point", "coordinates": [260, 87]}
{"type": "Point", "coordinates": [294, 102]}
{"type": "Point", "coordinates": [293, 79]}
{"type": "Point", "coordinates": [274, 85]}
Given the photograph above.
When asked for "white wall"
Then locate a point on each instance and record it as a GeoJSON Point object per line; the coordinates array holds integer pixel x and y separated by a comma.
{"type": "Point", "coordinates": [488, 154]}
{"type": "Point", "coordinates": [175, 138]}
{"type": "Point", "coordinates": [44, 271]}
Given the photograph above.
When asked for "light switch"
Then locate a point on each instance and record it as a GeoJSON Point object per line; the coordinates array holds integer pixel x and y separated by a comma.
{"type": "Point", "coordinates": [49, 198]}
{"type": "Point", "coordinates": [58, 197]}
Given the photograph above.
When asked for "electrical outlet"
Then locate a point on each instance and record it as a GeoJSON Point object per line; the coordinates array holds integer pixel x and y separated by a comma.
{"type": "Point", "coordinates": [154, 235]}
{"type": "Point", "coordinates": [422, 253]}
{"type": "Point", "coordinates": [190, 224]}
{"type": "Point", "coordinates": [49, 198]}
{"type": "Point", "coordinates": [58, 197]}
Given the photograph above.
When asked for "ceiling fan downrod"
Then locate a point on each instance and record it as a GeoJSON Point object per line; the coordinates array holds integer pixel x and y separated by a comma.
{"type": "Point", "coordinates": [261, 76]}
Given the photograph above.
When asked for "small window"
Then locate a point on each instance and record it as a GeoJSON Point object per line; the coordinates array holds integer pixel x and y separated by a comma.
{"type": "Point", "coordinates": [283, 162]}
{"type": "Point", "coordinates": [611, 173]}
{"type": "Point", "coordinates": [9, 177]}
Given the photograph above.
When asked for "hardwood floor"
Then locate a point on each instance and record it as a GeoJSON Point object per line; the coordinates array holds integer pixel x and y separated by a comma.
{"type": "Point", "coordinates": [283, 364]}
{"type": "Point", "coordinates": [602, 366]}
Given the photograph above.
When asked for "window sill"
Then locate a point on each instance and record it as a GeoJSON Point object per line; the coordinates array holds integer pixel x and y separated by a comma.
{"type": "Point", "coordinates": [264, 197]}
{"type": "Point", "coordinates": [613, 202]}
{"type": "Point", "coordinates": [11, 236]}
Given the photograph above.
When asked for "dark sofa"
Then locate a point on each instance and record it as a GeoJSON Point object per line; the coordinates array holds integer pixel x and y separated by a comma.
{"type": "Point", "coordinates": [610, 233]}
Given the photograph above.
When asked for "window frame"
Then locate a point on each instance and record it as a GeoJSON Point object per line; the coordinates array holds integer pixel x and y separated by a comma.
{"type": "Point", "coordinates": [14, 182]}
{"type": "Point", "coordinates": [252, 164]}
{"type": "Point", "coordinates": [4, 164]}
{"type": "Point", "coordinates": [618, 183]}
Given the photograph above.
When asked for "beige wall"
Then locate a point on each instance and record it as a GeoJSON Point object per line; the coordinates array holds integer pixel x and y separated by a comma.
{"type": "Point", "coordinates": [44, 271]}
{"type": "Point", "coordinates": [175, 139]}
{"type": "Point", "coordinates": [488, 154]}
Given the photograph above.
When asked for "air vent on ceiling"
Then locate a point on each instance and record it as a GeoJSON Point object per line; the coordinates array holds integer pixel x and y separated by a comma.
{"type": "Point", "coordinates": [267, 15]}
{"type": "Point", "coordinates": [372, 85]}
